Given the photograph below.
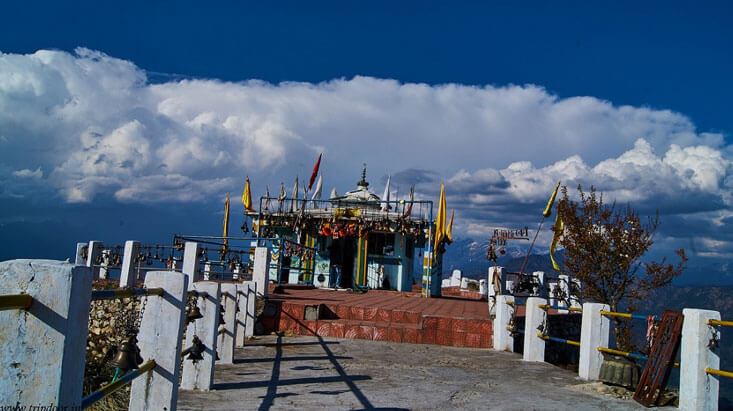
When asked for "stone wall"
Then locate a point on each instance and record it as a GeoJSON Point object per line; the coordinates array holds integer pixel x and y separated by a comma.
{"type": "Point", "coordinates": [107, 320]}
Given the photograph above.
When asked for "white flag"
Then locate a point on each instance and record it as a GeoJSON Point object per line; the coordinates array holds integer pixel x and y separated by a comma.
{"type": "Point", "coordinates": [385, 196]}
{"type": "Point", "coordinates": [294, 199]}
{"type": "Point", "coordinates": [318, 191]}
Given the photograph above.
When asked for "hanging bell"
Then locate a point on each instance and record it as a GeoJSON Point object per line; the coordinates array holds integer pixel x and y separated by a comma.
{"type": "Point", "coordinates": [128, 355]}
{"type": "Point", "coordinates": [197, 348]}
{"type": "Point", "coordinates": [193, 314]}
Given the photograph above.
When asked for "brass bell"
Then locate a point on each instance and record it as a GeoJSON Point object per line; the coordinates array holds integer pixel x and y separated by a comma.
{"type": "Point", "coordinates": [128, 355]}
{"type": "Point", "coordinates": [197, 348]}
{"type": "Point", "coordinates": [193, 314]}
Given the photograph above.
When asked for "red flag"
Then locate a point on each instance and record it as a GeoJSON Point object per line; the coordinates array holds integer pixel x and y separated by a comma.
{"type": "Point", "coordinates": [315, 172]}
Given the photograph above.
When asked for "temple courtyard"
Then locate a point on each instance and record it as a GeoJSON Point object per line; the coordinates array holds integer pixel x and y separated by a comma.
{"type": "Point", "coordinates": [308, 373]}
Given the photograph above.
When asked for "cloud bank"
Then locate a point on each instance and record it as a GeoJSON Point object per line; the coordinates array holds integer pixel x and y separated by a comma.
{"type": "Point", "coordinates": [85, 126]}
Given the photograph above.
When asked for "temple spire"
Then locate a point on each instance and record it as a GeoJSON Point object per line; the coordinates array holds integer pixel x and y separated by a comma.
{"type": "Point", "coordinates": [363, 182]}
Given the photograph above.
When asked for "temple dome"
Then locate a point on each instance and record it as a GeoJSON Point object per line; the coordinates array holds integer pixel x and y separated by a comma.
{"type": "Point", "coordinates": [361, 194]}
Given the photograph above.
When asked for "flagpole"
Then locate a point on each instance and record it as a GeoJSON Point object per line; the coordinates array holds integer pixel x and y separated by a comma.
{"type": "Point", "coordinates": [531, 245]}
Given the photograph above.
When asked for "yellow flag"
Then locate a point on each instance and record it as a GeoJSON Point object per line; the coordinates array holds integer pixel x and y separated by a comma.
{"type": "Point", "coordinates": [551, 201]}
{"type": "Point", "coordinates": [557, 229]}
{"type": "Point", "coordinates": [225, 233]}
{"type": "Point", "coordinates": [247, 196]}
{"type": "Point", "coordinates": [449, 230]}
{"type": "Point", "coordinates": [440, 218]}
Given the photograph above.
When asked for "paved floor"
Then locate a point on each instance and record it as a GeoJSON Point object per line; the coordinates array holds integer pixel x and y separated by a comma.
{"type": "Point", "coordinates": [310, 373]}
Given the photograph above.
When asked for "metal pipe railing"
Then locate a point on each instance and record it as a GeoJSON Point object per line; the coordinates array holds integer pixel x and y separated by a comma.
{"type": "Point", "coordinates": [108, 389]}
{"type": "Point", "coordinates": [627, 354]}
{"type": "Point", "coordinates": [721, 373]}
{"type": "Point", "coordinates": [628, 316]}
{"type": "Point", "coordinates": [558, 340]}
{"type": "Point", "coordinates": [125, 293]}
{"type": "Point", "coordinates": [15, 302]}
{"type": "Point", "coordinates": [720, 323]}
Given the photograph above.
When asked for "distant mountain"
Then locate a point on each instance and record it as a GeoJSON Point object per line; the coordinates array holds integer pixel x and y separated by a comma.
{"type": "Point", "coordinates": [469, 256]}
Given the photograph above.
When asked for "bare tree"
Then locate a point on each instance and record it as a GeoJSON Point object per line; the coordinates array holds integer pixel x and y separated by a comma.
{"type": "Point", "coordinates": [604, 246]}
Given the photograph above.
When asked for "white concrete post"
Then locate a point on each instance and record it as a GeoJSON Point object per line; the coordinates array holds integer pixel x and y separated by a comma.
{"type": "Point", "coordinates": [200, 375]}
{"type": "Point", "coordinates": [509, 286]}
{"type": "Point", "coordinates": [562, 304]}
{"type": "Point", "coordinates": [44, 349]}
{"type": "Point", "coordinates": [492, 287]}
{"type": "Point", "coordinates": [162, 321]}
{"type": "Point", "coordinates": [534, 346]}
{"type": "Point", "coordinates": [574, 298]}
{"type": "Point", "coordinates": [207, 270]}
{"type": "Point", "coordinates": [127, 271]}
{"type": "Point", "coordinates": [698, 390]}
{"type": "Point", "coordinates": [261, 270]}
{"type": "Point", "coordinates": [79, 260]}
{"type": "Point", "coordinates": [191, 262]}
{"type": "Point", "coordinates": [594, 333]}
{"type": "Point", "coordinates": [551, 294]}
{"type": "Point", "coordinates": [482, 288]}
{"type": "Point", "coordinates": [503, 340]}
{"type": "Point", "coordinates": [93, 252]}
{"type": "Point", "coordinates": [104, 269]}
{"type": "Point", "coordinates": [228, 330]}
{"type": "Point", "coordinates": [246, 315]}
{"type": "Point", "coordinates": [540, 276]}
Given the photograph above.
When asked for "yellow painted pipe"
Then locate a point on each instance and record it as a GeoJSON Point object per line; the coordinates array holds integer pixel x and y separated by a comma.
{"type": "Point", "coordinates": [575, 309]}
{"type": "Point", "coordinates": [615, 314]}
{"type": "Point", "coordinates": [626, 354]}
{"type": "Point", "coordinates": [15, 302]}
{"type": "Point", "coordinates": [544, 307]}
{"type": "Point", "coordinates": [721, 323]}
{"type": "Point", "coordinates": [721, 373]}
{"type": "Point", "coordinates": [110, 388]}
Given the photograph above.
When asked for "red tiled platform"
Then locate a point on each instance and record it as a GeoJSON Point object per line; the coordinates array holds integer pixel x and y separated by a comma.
{"type": "Point", "coordinates": [458, 292]}
{"type": "Point", "coordinates": [383, 315]}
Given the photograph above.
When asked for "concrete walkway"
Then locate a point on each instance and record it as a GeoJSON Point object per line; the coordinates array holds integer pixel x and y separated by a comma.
{"type": "Point", "coordinates": [311, 373]}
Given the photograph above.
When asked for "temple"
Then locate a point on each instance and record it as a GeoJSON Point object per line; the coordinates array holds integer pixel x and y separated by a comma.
{"type": "Point", "coordinates": [357, 240]}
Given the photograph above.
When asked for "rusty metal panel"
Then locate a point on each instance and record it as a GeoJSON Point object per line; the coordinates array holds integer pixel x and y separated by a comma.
{"type": "Point", "coordinates": [654, 378]}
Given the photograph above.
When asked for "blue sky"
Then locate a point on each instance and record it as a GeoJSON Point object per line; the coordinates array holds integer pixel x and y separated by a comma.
{"type": "Point", "coordinates": [110, 112]}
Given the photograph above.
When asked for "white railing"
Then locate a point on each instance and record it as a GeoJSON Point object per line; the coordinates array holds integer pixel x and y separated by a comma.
{"type": "Point", "coordinates": [45, 309]}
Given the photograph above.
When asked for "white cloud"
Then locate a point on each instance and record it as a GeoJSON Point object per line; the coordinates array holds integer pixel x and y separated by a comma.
{"type": "Point", "coordinates": [28, 173]}
{"type": "Point", "coordinates": [100, 130]}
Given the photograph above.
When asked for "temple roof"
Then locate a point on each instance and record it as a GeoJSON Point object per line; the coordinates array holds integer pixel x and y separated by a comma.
{"type": "Point", "coordinates": [361, 194]}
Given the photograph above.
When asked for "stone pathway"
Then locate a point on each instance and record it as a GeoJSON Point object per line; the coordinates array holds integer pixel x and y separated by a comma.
{"type": "Point", "coordinates": [310, 373]}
